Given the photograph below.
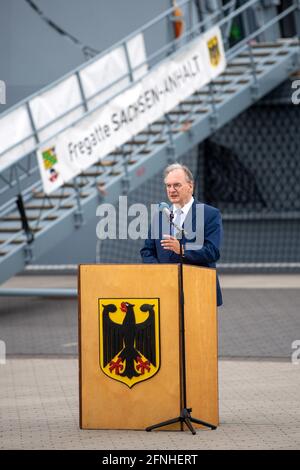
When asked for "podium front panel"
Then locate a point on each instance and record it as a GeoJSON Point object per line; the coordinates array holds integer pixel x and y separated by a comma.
{"type": "Point", "coordinates": [201, 342]}
{"type": "Point", "coordinates": [117, 392]}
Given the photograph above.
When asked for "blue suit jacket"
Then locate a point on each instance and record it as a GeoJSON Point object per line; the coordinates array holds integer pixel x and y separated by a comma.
{"type": "Point", "coordinates": [207, 256]}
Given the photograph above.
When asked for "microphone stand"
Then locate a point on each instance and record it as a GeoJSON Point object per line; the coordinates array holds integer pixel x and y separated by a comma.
{"type": "Point", "coordinates": [185, 414]}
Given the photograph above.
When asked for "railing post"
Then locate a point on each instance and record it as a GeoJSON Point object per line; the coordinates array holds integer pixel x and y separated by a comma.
{"type": "Point", "coordinates": [29, 234]}
{"type": "Point", "coordinates": [126, 178]}
{"type": "Point", "coordinates": [191, 21]}
{"type": "Point", "coordinates": [209, 8]}
{"type": "Point", "coordinates": [82, 94]}
{"type": "Point", "coordinates": [254, 86]}
{"type": "Point", "coordinates": [227, 28]}
{"type": "Point", "coordinates": [130, 71]}
{"type": "Point", "coordinates": [297, 17]}
{"type": "Point", "coordinates": [171, 147]}
{"type": "Point", "coordinates": [214, 114]}
{"type": "Point", "coordinates": [264, 11]}
{"type": "Point", "coordinates": [245, 23]}
{"type": "Point", "coordinates": [78, 215]}
{"type": "Point", "coordinates": [28, 253]}
{"type": "Point", "coordinates": [36, 136]}
{"type": "Point", "coordinates": [15, 170]}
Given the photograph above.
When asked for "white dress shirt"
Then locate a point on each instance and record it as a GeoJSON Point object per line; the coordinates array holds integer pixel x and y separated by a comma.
{"type": "Point", "coordinates": [184, 211]}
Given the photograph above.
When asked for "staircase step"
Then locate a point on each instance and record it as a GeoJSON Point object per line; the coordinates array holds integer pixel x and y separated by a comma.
{"type": "Point", "coordinates": [92, 173]}
{"type": "Point", "coordinates": [241, 64]}
{"type": "Point", "coordinates": [255, 54]}
{"type": "Point", "coordinates": [14, 242]}
{"type": "Point", "coordinates": [178, 113]}
{"type": "Point", "coordinates": [199, 109]}
{"type": "Point", "coordinates": [295, 43]}
{"type": "Point", "coordinates": [208, 96]}
{"type": "Point", "coordinates": [110, 162]}
{"type": "Point", "coordinates": [15, 229]}
{"type": "Point", "coordinates": [204, 93]}
{"type": "Point", "coordinates": [184, 125]}
{"type": "Point", "coordinates": [160, 123]}
{"type": "Point", "coordinates": [233, 73]}
{"type": "Point", "coordinates": [283, 52]}
{"type": "Point", "coordinates": [222, 81]}
{"type": "Point", "coordinates": [52, 196]}
{"type": "Point", "coordinates": [71, 185]}
{"type": "Point", "coordinates": [117, 153]}
{"type": "Point", "coordinates": [30, 218]}
{"type": "Point", "coordinates": [243, 81]}
{"type": "Point", "coordinates": [238, 73]}
{"type": "Point", "coordinates": [269, 62]}
{"type": "Point", "coordinates": [47, 207]}
{"type": "Point", "coordinates": [57, 197]}
{"type": "Point", "coordinates": [192, 102]}
{"type": "Point", "coordinates": [271, 45]}
{"type": "Point", "coordinates": [43, 207]}
{"type": "Point", "coordinates": [137, 142]}
{"type": "Point", "coordinates": [151, 132]}
{"type": "Point", "coordinates": [229, 91]}
{"type": "Point", "coordinates": [202, 110]}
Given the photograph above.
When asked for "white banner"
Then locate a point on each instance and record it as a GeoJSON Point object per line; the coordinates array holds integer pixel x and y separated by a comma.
{"type": "Point", "coordinates": [112, 67]}
{"type": "Point", "coordinates": [52, 104]}
{"type": "Point", "coordinates": [130, 112]}
{"type": "Point", "coordinates": [62, 103]}
{"type": "Point", "coordinates": [15, 127]}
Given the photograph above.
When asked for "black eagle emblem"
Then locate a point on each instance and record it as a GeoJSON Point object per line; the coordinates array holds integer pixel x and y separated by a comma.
{"type": "Point", "coordinates": [129, 348]}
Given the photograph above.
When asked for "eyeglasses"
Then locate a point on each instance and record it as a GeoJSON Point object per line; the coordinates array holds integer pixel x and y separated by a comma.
{"type": "Point", "coordinates": [176, 186]}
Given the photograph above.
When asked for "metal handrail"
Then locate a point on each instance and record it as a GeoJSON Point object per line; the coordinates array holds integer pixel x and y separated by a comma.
{"type": "Point", "coordinates": [242, 45]}
{"type": "Point", "coordinates": [26, 172]}
{"type": "Point", "coordinates": [260, 30]}
{"type": "Point", "coordinates": [97, 57]}
{"type": "Point", "coordinates": [172, 43]}
{"type": "Point", "coordinates": [119, 43]}
{"type": "Point", "coordinates": [164, 133]}
{"type": "Point", "coordinates": [37, 292]}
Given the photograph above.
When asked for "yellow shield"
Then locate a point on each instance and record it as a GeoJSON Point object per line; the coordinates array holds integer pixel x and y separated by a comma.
{"type": "Point", "coordinates": [214, 51]}
{"type": "Point", "coordinates": [129, 346]}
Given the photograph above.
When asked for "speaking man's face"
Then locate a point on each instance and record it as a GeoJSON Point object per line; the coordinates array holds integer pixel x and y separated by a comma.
{"type": "Point", "coordinates": [179, 190]}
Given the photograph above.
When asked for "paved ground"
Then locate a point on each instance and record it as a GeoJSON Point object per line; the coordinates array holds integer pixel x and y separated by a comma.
{"type": "Point", "coordinates": [259, 318]}
{"type": "Point", "coordinates": [259, 408]}
{"type": "Point", "coordinates": [259, 385]}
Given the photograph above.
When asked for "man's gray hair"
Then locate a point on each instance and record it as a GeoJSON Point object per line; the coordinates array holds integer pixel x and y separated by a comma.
{"type": "Point", "coordinates": [178, 166]}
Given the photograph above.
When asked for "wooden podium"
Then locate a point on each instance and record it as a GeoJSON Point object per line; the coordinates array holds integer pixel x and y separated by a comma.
{"type": "Point", "coordinates": [151, 392]}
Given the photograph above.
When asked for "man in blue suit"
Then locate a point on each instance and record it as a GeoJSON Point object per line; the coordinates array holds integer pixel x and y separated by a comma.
{"type": "Point", "coordinates": [165, 248]}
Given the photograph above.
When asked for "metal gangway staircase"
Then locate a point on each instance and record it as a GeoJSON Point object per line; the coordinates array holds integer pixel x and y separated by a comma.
{"type": "Point", "coordinates": [31, 223]}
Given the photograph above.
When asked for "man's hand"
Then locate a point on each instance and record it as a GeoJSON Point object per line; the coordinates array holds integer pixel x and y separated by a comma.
{"type": "Point", "coordinates": [170, 243]}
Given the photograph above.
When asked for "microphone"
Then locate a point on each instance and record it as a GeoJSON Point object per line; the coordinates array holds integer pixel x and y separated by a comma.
{"type": "Point", "coordinates": [164, 207]}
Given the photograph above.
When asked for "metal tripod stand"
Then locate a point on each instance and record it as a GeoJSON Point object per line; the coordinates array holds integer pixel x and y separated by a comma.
{"type": "Point", "coordinates": [185, 416]}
